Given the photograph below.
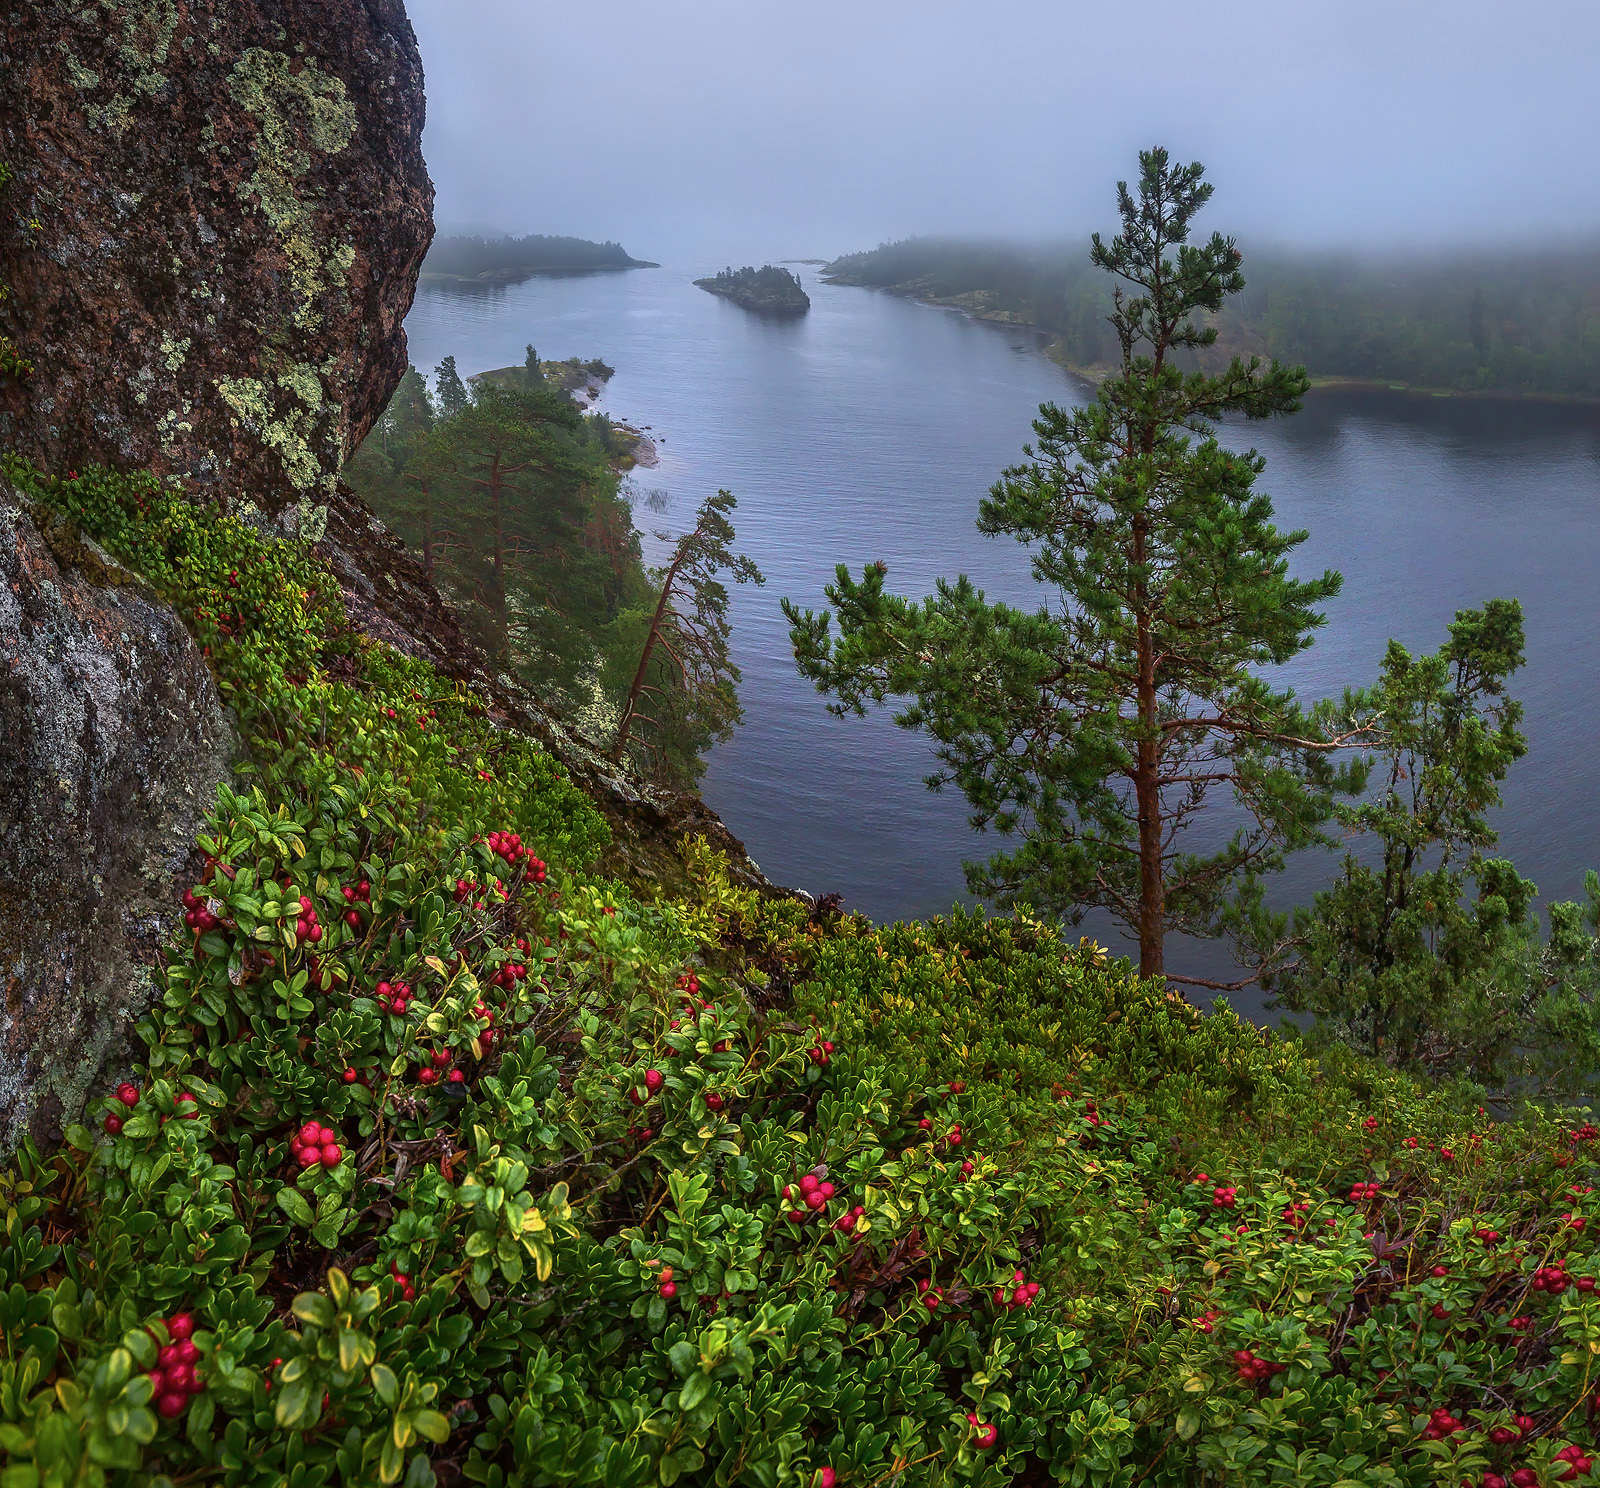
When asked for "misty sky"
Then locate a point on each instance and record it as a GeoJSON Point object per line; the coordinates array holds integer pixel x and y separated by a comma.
{"type": "Point", "coordinates": [691, 128]}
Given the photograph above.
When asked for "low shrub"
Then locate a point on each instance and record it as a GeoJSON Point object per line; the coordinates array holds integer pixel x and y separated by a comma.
{"type": "Point", "coordinates": [447, 1159]}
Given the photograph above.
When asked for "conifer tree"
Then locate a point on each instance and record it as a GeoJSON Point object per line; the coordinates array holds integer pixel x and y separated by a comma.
{"type": "Point", "coordinates": [1095, 728]}
{"type": "Point", "coordinates": [683, 695]}
{"type": "Point", "coordinates": [452, 392]}
{"type": "Point", "coordinates": [515, 460]}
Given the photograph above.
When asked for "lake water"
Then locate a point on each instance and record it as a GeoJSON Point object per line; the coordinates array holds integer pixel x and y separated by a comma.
{"type": "Point", "coordinates": [870, 428]}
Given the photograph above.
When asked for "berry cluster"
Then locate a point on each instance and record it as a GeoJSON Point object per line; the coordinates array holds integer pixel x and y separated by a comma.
{"type": "Point", "coordinates": [314, 1144]}
{"type": "Point", "coordinates": [441, 1065]}
{"type": "Point", "coordinates": [822, 1053]}
{"type": "Point", "coordinates": [394, 997]}
{"type": "Point", "coordinates": [1442, 1424]}
{"type": "Point", "coordinates": [196, 915]}
{"type": "Point", "coordinates": [653, 1081]}
{"type": "Point", "coordinates": [813, 1193]}
{"type": "Point", "coordinates": [1252, 1370]}
{"type": "Point", "coordinates": [1294, 1214]}
{"type": "Point", "coordinates": [509, 846]}
{"type": "Point", "coordinates": [667, 1287]}
{"type": "Point", "coordinates": [1578, 1463]}
{"type": "Point", "coordinates": [1208, 1319]}
{"type": "Point", "coordinates": [509, 975]}
{"type": "Point", "coordinates": [1503, 1436]}
{"type": "Point", "coordinates": [987, 1435]}
{"type": "Point", "coordinates": [306, 928]}
{"type": "Point", "coordinates": [174, 1380]}
{"type": "Point", "coordinates": [1364, 1193]}
{"type": "Point", "coordinates": [126, 1096]}
{"type": "Point", "coordinates": [1552, 1279]}
{"type": "Point", "coordinates": [402, 1281]}
{"type": "Point", "coordinates": [1224, 1197]}
{"type": "Point", "coordinates": [1485, 1236]}
{"type": "Point", "coordinates": [1021, 1294]}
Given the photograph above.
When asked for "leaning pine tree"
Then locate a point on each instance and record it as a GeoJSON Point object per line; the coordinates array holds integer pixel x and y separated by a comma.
{"type": "Point", "coordinates": [1095, 728]}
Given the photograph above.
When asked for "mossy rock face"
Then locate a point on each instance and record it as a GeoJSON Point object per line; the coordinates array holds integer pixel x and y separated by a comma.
{"type": "Point", "coordinates": [114, 744]}
{"type": "Point", "coordinates": [213, 233]}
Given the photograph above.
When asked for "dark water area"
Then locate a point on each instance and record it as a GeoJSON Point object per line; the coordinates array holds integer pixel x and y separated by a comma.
{"type": "Point", "coordinates": [870, 428]}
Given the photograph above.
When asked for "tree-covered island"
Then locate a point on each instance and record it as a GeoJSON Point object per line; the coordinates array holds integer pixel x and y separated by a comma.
{"type": "Point", "coordinates": [769, 289]}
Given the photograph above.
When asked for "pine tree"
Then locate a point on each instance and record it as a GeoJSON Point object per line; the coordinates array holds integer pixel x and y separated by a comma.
{"type": "Point", "coordinates": [452, 392]}
{"type": "Point", "coordinates": [683, 696]}
{"type": "Point", "coordinates": [1426, 953]}
{"type": "Point", "coordinates": [517, 473]}
{"type": "Point", "coordinates": [1097, 727]}
{"type": "Point", "coordinates": [531, 371]}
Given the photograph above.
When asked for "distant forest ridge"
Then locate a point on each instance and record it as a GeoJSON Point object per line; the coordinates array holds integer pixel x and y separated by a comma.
{"type": "Point", "coordinates": [478, 258]}
{"type": "Point", "coordinates": [1525, 322]}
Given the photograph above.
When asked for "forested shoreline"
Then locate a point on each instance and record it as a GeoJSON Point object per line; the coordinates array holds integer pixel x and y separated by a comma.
{"type": "Point", "coordinates": [507, 259]}
{"type": "Point", "coordinates": [1513, 322]}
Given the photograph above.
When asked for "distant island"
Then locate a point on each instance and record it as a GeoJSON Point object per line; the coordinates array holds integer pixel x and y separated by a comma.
{"type": "Point", "coordinates": [769, 289]}
{"type": "Point", "coordinates": [507, 260]}
{"type": "Point", "coordinates": [1514, 320]}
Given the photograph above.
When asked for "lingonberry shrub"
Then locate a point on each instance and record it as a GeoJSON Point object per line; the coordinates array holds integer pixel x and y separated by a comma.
{"type": "Point", "coordinates": [709, 1187]}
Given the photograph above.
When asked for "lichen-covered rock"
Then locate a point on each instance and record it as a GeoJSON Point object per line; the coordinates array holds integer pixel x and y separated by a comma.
{"type": "Point", "coordinates": [213, 233]}
{"type": "Point", "coordinates": [112, 744]}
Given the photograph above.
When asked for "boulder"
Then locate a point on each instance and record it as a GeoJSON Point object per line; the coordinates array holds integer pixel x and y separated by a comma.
{"type": "Point", "coordinates": [212, 234]}
{"type": "Point", "coordinates": [112, 744]}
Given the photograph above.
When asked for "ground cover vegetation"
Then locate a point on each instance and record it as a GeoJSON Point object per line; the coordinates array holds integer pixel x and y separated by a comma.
{"type": "Point", "coordinates": [447, 1160]}
{"type": "Point", "coordinates": [1096, 730]}
{"type": "Point", "coordinates": [514, 500]}
{"type": "Point", "coordinates": [1510, 321]}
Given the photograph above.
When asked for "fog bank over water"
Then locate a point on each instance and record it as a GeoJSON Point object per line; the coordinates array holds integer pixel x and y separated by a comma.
{"type": "Point", "coordinates": [744, 131]}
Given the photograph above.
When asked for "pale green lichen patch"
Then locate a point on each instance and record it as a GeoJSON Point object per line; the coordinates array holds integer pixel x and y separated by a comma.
{"type": "Point", "coordinates": [291, 436]}
{"type": "Point", "coordinates": [84, 79]}
{"type": "Point", "coordinates": [302, 114]}
{"type": "Point", "coordinates": [147, 32]}
{"type": "Point", "coordinates": [174, 352]}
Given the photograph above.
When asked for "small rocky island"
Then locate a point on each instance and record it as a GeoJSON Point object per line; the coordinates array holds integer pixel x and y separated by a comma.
{"type": "Point", "coordinates": [769, 289]}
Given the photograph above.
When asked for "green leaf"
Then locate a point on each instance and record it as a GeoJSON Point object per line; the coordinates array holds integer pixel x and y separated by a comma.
{"type": "Point", "coordinates": [293, 1203]}
{"type": "Point", "coordinates": [314, 1308]}
{"type": "Point", "coordinates": [292, 1403]}
{"type": "Point", "coordinates": [385, 1383]}
{"type": "Point", "coordinates": [695, 1389]}
{"type": "Point", "coordinates": [432, 1425]}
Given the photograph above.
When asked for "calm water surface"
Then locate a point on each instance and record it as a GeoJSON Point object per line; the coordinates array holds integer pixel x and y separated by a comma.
{"type": "Point", "coordinates": [870, 428]}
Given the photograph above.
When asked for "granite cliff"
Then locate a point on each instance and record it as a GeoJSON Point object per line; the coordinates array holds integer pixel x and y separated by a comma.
{"type": "Point", "coordinates": [212, 233]}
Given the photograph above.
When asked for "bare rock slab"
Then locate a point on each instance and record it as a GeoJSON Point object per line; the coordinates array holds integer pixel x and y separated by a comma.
{"type": "Point", "coordinates": [113, 741]}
